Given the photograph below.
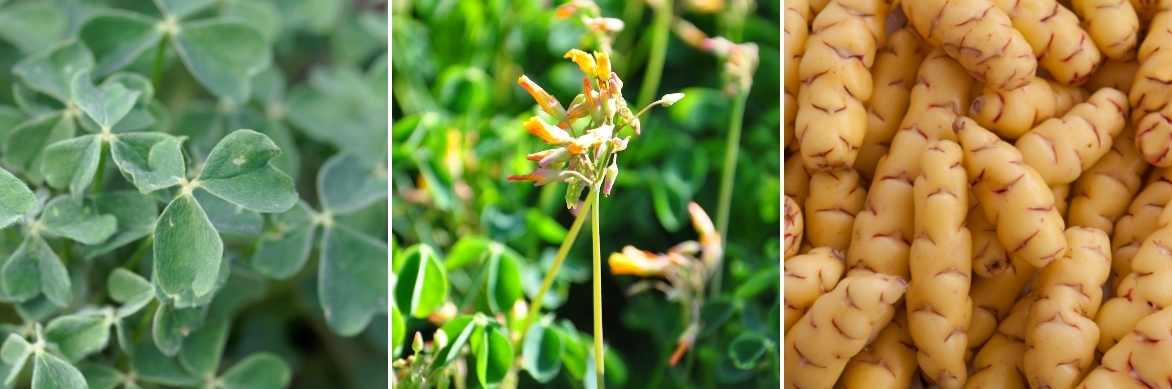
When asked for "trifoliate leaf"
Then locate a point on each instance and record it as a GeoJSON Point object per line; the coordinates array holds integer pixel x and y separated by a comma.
{"type": "Point", "coordinates": [52, 372]}
{"type": "Point", "coordinates": [181, 8]}
{"type": "Point", "coordinates": [493, 352]}
{"type": "Point", "coordinates": [542, 353]}
{"type": "Point", "coordinates": [118, 37]}
{"type": "Point", "coordinates": [135, 213]}
{"type": "Point", "coordinates": [131, 81]}
{"type": "Point", "coordinates": [421, 285]}
{"type": "Point", "coordinates": [15, 199]}
{"type": "Point", "coordinates": [35, 269]}
{"type": "Point", "coordinates": [172, 325]}
{"type": "Point", "coordinates": [188, 250]}
{"type": "Point", "coordinates": [347, 184]}
{"type": "Point", "coordinates": [283, 249]}
{"type": "Point", "coordinates": [201, 351]}
{"type": "Point", "coordinates": [129, 289]}
{"type": "Point", "coordinates": [25, 146]}
{"type": "Point", "coordinates": [149, 160]}
{"type": "Point", "coordinates": [238, 170]}
{"type": "Point", "coordinates": [71, 163]}
{"type": "Point", "coordinates": [352, 280]}
{"type": "Point", "coordinates": [223, 55]}
{"type": "Point", "coordinates": [228, 218]}
{"type": "Point", "coordinates": [72, 218]}
{"type": "Point", "coordinates": [106, 105]}
{"type": "Point", "coordinates": [258, 371]}
{"type": "Point", "coordinates": [79, 335]}
{"type": "Point", "coordinates": [50, 72]}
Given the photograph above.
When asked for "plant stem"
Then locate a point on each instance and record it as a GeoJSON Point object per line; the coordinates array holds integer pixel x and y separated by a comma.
{"type": "Point", "coordinates": [599, 357]}
{"type": "Point", "coordinates": [563, 250]}
{"type": "Point", "coordinates": [139, 252]}
{"type": "Point", "coordinates": [661, 28]}
{"type": "Point", "coordinates": [727, 176]}
{"type": "Point", "coordinates": [160, 56]}
{"type": "Point", "coordinates": [96, 186]}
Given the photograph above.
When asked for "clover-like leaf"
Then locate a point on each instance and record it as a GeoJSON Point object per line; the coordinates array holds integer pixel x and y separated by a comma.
{"type": "Point", "coordinates": [261, 15]}
{"type": "Point", "coordinates": [228, 218]}
{"type": "Point", "coordinates": [149, 160]}
{"type": "Point", "coordinates": [398, 328]}
{"type": "Point", "coordinates": [542, 353]}
{"type": "Point", "coordinates": [72, 218]}
{"type": "Point", "coordinates": [33, 25]}
{"type": "Point", "coordinates": [202, 350]}
{"type": "Point", "coordinates": [421, 285]}
{"type": "Point", "coordinates": [188, 250]}
{"type": "Point", "coordinates": [172, 325]}
{"type": "Point", "coordinates": [239, 170]}
{"type": "Point", "coordinates": [51, 71]}
{"type": "Point", "coordinates": [72, 163]}
{"type": "Point", "coordinates": [25, 146]}
{"type": "Point", "coordinates": [352, 280]}
{"type": "Point", "coordinates": [129, 289]}
{"type": "Point", "coordinates": [747, 349]}
{"type": "Point", "coordinates": [99, 376]}
{"type": "Point", "coordinates": [118, 37]}
{"type": "Point", "coordinates": [150, 365]}
{"type": "Point", "coordinates": [459, 331]}
{"type": "Point", "coordinates": [493, 352]}
{"type": "Point", "coordinates": [106, 105]}
{"type": "Point", "coordinates": [503, 283]}
{"type": "Point", "coordinates": [223, 55]}
{"type": "Point", "coordinates": [181, 8]}
{"type": "Point", "coordinates": [81, 334]}
{"type": "Point", "coordinates": [347, 184]}
{"type": "Point", "coordinates": [52, 372]}
{"type": "Point", "coordinates": [283, 250]}
{"type": "Point", "coordinates": [35, 269]}
{"type": "Point", "coordinates": [258, 371]}
{"type": "Point", "coordinates": [15, 349]}
{"type": "Point", "coordinates": [135, 214]}
{"type": "Point", "coordinates": [15, 198]}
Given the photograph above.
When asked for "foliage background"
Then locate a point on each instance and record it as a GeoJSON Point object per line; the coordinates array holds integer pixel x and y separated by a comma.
{"type": "Point", "coordinates": [311, 40]}
{"type": "Point", "coordinates": [457, 134]}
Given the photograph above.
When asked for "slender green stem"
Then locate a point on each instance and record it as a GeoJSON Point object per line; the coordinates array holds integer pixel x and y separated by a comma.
{"type": "Point", "coordinates": [160, 56]}
{"type": "Point", "coordinates": [599, 357]}
{"type": "Point", "coordinates": [99, 177]}
{"type": "Point", "coordinates": [727, 176]}
{"type": "Point", "coordinates": [563, 250]}
{"type": "Point", "coordinates": [660, 29]}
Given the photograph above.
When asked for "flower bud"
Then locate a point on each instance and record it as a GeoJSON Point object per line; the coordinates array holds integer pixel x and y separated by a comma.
{"type": "Point", "coordinates": [671, 98]}
{"type": "Point", "coordinates": [585, 61]}
{"type": "Point", "coordinates": [417, 343]}
{"type": "Point", "coordinates": [547, 102]}
{"type": "Point", "coordinates": [633, 261]}
{"type": "Point", "coordinates": [690, 34]}
{"type": "Point", "coordinates": [604, 25]}
{"type": "Point", "coordinates": [547, 158]}
{"type": "Point", "coordinates": [550, 134]}
{"type": "Point", "coordinates": [539, 177]}
{"type": "Point", "coordinates": [443, 314]}
{"type": "Point", "coordinates": [612, 173]}
{"type": "Point", "coordinates": [439, 339]}
{"type": "Point", "coordinates": [709, 239]}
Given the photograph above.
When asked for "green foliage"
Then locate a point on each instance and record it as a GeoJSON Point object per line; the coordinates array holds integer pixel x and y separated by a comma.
{"type": "Point", "coordinates": [167, 216]}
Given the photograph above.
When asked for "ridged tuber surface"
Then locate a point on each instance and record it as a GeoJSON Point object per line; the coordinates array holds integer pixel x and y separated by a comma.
{"type": "Point", "coordinates": [1151, 113]}
{"type": "Point", "coordinates": [836, 82]}
{"type": "Point", "coordinates": [1114, 74]}
{"type": "Point", "coordinates": [1013, 195]}
{"type": "Point", "coordinates": [1012, 113]}
{"type": "Point", "coordinates": [837, 327]}
{"type": "Point", "coordinates": [1141, 220]}
{"type": "Point", "coordinates": [797, 29]}
{"type": "Point", "coordinates": [835, 198]}
{"type": "Point", "coordinates": [989, 257]}
{"type": "Point", "coordinates": [938, 303]}
{"type": "Point", "coordinates": [883, 231]}
{"type": "Point", "coordinates": [998, 364]}
{"type": "Point", "coordinates": [994, 296]}
{"type": "Point", "coordinates": [1060, 149]}
{"type": "Point", "coordinates": [1140, 359]}
{"type": "Point", "coordinates": [889, 362]}
{"type": "Point", "coordinates": [1145, 290]}
{"type": "Point", "coordinates": [894, 76]}
{"type": "Point", "coordinates": [1102, 193]}
{"type": "Point", "coordinates": [1112, 24]}
{"type": "Point", "coordinates": [1061, 197]}
{"type": "Point", "coordinates": [1061, 334]}
{"type": "Point", "coordinates": [807, 277]}
{"type": "Point", "coordinates": [797, 179]}
{"type": "Point", "coordinates": [1062, 47]}
{"type": "Point", "coordinates": [979, 36]}
{"type": "Point", "coordinates": [793, 227]}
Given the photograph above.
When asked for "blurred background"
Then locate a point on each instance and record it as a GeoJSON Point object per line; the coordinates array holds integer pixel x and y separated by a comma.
{"type": "Point", "coordinates": [457, 133]}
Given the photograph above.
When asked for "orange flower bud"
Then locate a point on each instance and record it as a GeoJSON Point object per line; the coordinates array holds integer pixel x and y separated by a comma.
{"type": "Point", "coordinates": [538, 177]}
{"type": "Point", "coordinates": [635, 262]}
{"type": "Point", "coordinates": [547, 102]}
{"type": "Point", "coordinates": [709, 238]}
{"type": "Point", "coordinates": [550, 134]}
{"type": "Point", "coordinates": [585, 61]}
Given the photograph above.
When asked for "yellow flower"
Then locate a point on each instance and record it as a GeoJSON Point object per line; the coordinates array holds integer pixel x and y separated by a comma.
{"type": "Point", "coordinates": [547, 102]}
{"type": "Point", "coordinates": [635, 262]}
{"type": "Point", "coordinates": [602, 71]}
{"type": "Point", "coordinates": [709, 238]}
{"type": "Point", "coordinates": [550, 134]}
{"type": "Point", "coordinates": [585, 61]}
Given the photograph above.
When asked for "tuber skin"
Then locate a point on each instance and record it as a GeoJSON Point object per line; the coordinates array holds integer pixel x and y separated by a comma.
{"type": "Point", "coordinates": [793, 227]}
{"type": "Point", "coordinates": [1103, 192]}
{"type": "Point", "coordinates": [797, 29]}
{"type": "Point", "coordinates": [889, 362]}
{"type": "Point", "coordinates": [1140, 359]}
{"type": "Point", "coordinates": [1112, 24]}
{"type": "Point", "coordinates": [1149, 93]}
{"type": "Point", "coordinates": [1140, 220]}
{"type": "Point", "coordinates": [1012, 113]}
{"type": "Point", "coordinates": [1060, 149]}
{"type": "Point", "coordinates": [797, 179]}
{"type": "Point", "coordinates": [807, 277]}
{"type": "Point", "coordinates": [998, 364]}
{"type": "Point", "coordinates": [979, 36]}
{"type": "Point", "coordinates": [989, 257]}
{"type": "Point", "coordinates": [895, 70]}
{"type": "Point", "coordinates": [835, 198]}
{"type": "Point", "coordinates": [1142, 291]}
{"type": "Point", "coordinates": [1062, 47]}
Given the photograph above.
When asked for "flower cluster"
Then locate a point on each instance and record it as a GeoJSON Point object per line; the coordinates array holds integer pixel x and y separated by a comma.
{"type": "Point", "coordinates": [740, 59]}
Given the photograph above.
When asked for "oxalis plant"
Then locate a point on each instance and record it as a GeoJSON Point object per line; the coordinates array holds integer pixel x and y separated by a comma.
{"type": "Point", "coordinates": [153, 194]}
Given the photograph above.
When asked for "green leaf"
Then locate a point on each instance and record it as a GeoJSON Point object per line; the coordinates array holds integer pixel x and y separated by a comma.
{"type": "Point", "coordinates": [106, 105]}
{"type": "Point", "coordinates": [228, 218]}
{"type": "Point", "coordinates": [100, 376]}
{"type": "Point", "coordinates": [715, 312]}
{"type": "Point", "coordinates": [223, 55]}
{"type": "Point", "coordinates": [459, 331]}
{"type": "Point", "coordinates": [33, 25]}
{"type": "Point", "coordinates": [72, 163]}
{"type": "Point", "coordinates": [261, 15]}
{"type": "Point", "coordinates": [757, 283]}
{"type": "Point", "coordinates": [239, 170]}
{"type": "Point", "coordinates": [172, 325]}
{"type": "Point", "coordinates": [129, 289]}
{"type": "Point", "coordinates": [15, 199]}
{"type": "Point", "coordinates": [258, 371]}
{"type": "Point", "coordinates": [284, 248]}
{"type": "Point", "coordinates": [71, 218]}
{"type": "Point", "coordinates": [79, 335]}
{"type": "Point", "coordinates": [747, 349]}
{"type": "Point", "coordinates": [51, 372]}
{"type": "Point", "coordinates": [201, 351]}
{"type": "Point", "coordinates": [188, 250]}
{"type": "Point", "coordinates": [347, 183]}
{"type": "Point", "coordinates": [493, 352]}
{"type": "Point", "coordinates": [150, 160]}
{"type": "Point", "coordinates": [181, 8]}
{"type": "Point", "coordinates": [352, 280]}
{"type": "Point", "coordinates": [542, 353]}
{"type": "Point", "coordinates": [15, 350]}
{"type": "Point", "coordinates": [544, 226]}
{"type": "Point", "coordinates": [398, 329]}
{"type": "Point", "coordinates": [150, 365]}
{"type": "Point", "coordinates": [469, 250]}
{"type": "Point", "coordinates": [135, 214]}
{"type": "Point", "coordinates": [34, 269]}
{"type": "Point", "coordinates": [574, 350]}
{"type": "Point", "coordinates": [25, 146]}
{"type": "Point", "coordinates": [503, 285]}
{"type": "Point", "coordinates": [421, 285]}
{"type": "Point", "coordinates": [118, 37]}
{"type": "Point", "coordinates": [50, 72]}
